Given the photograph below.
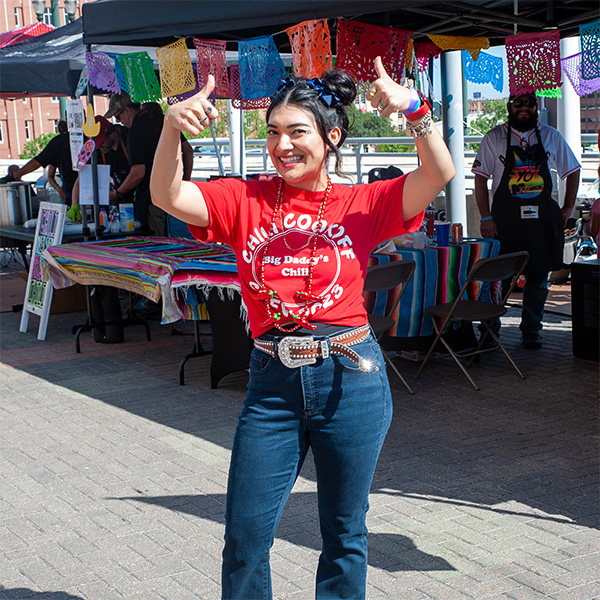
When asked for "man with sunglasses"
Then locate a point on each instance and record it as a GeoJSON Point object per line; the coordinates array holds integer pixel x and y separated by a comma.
{"type": "Point", "coordinates": [518, 156]}
{"type": "Point", "coordinates": [142, 139]}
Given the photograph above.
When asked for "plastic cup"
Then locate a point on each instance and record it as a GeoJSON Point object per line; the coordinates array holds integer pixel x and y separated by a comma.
{"type": "Point", "coordinates": [418, 240]}
{"type": "Point", "coordinates": [429, 221]}
{"type": "Point", "coordinates": [442, 232]}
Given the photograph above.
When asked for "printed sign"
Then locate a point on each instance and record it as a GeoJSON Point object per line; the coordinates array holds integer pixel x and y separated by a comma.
{"type": "Point", "coordinates": [38, 294]}
{"type": "Point", "coordinates": [75, 115]}
{"type": "Point", "coordinates": [76, 140]}
{"type": "Point", "coordinates": [86, 188]}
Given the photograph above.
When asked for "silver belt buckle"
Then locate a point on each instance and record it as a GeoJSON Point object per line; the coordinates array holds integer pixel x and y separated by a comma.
{"type": "Point", "coordinates": [284, 351]}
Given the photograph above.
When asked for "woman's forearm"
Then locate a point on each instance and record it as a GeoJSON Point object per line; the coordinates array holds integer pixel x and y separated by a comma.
{"type": "Point", "coordinates": [436, 161]}
{"type": "Point", "coordinates": [425, 183]}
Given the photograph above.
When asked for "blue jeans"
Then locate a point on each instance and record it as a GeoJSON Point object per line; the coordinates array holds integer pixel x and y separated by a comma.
{"type": "Point", "coordinates": [535, 292]}
{"type": "Point", "coordinates": [343, 415]}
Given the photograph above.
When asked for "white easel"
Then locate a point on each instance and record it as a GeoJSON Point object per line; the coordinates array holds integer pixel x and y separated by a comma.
{"type": "Point", "coordinates": [38, 293]}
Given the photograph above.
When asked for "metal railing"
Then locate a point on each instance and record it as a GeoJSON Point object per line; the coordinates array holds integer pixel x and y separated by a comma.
{"type": "Point", "coordinates": [360, 155]}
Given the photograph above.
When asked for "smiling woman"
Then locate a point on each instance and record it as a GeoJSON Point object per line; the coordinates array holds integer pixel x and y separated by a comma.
{"type": "Point", "coordinates": [302, 245]}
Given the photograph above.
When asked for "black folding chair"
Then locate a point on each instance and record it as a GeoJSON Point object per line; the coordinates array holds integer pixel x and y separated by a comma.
{"type": "Point", "coordinates": [491, 269]}
{"type": "Point", "coordinates": [383, 278]}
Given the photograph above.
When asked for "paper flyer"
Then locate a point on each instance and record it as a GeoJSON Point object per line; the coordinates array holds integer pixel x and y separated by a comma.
{"type": "Point", "coordinates": [86, 190]}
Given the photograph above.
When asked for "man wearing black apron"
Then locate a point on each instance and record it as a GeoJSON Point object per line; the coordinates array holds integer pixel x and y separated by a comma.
{"type": "Point", "coordinates": [523, 215]}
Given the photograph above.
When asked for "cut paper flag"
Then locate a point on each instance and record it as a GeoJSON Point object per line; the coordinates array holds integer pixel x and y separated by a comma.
{"type": "Point", "coordinates": [175, 68]}
{"type": "Point", "coordinates": [102, 72]}
{"type": "Point", "coordinates": [211, 59]}
{"type": "Point", "coordinates": [410, 56]}
{"type": "Point", "coordinates": [590, 50]}
{"type": "Point", "coordinates": [141, 79]}
{"type": "Point", "coordinates": [119, 72]}
{"type": "Point", "coordinates": [533, 61]}
{"type": "Point", "coordinates": [261, 67]}
{"type": "Point", "coordinates": [236, 93]}
{"type": "Point", "coordinates": [486, 69]}
{"type": "Point", "coordinates": [358, 44]}
{"type": "Point", "coordinates": [311, 48]}
{"type": "Point", "coordinates": [425, 51]}
{"type": "Point", "coordinates": [571, 65]}
{"type": "Point", "coordinates": [551, 93]}
{"type": "Point", "coordinates": [185, 95]}
{"type": "Point", "coordinates": [82, 84]}
{"type": "Point", "coordinates": [473, 45]}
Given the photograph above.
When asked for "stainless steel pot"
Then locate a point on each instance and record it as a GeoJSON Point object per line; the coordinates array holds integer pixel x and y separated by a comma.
{"type": "Point", "coordinates": [15, 203]}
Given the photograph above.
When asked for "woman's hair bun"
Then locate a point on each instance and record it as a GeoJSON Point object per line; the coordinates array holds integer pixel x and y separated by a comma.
{"type": "Point", "coordinates": [342, 84]}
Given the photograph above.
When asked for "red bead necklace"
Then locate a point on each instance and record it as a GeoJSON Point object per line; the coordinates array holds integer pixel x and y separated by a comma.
{"type": "Point", "coordinates": [267, 293]}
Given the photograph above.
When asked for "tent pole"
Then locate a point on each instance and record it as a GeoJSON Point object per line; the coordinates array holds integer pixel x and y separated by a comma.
{"type": "Point", "coordinates": [90, 99]}
{"type": "Point", "coordinates": [236, 138]}
{"type": "Point", "coordinates": [568, 109]}
{"type": "Point", "coordinates": [452, 110]}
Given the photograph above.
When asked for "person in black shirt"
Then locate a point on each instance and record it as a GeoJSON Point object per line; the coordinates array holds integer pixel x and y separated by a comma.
{"type": "Point", "coordinates": [142, 139]}
{"type": "Point", "coordinates": [111, 143]}
{"type": "Point", "coordinates": [57, 153]}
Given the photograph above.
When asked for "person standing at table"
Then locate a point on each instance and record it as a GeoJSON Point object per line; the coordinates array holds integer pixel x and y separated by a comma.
{"type": "Point", "coordinates": [317, 375]}
{"type": "Point", "coordinates": [187, 152]}
{"type": "Point", "coordinates": [144, 131]}
{"type": "Point", "coordinates": [518, 155]}
{"type": "Point", "coordinates": [111, 143]}
{"type": "Point", "coordinates": [57, 154]}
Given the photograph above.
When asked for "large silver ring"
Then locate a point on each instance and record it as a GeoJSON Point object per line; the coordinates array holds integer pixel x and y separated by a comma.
{"type": "Point", "coordinates": [208, 109]}
{"type": "Point", "coordinates": [381, 107]}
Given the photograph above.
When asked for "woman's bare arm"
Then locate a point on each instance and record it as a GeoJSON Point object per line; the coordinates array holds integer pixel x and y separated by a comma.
{"type": "Point", "coordinates": [182, 199]}
{"type": "Point", "coordinates": [424, 183]}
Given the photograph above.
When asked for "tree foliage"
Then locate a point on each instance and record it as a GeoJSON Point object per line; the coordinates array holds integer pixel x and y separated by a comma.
{"type": "Point", "coordinates": [33, 147]}
{"type": "Point", "coordinates": [494, 113]}
{"type": "Point", "coordinates": [369, 124]}
{"type": "Point", "coordinates": [220, 125]}
{"type": "Point", "coordinates": [255, 126]}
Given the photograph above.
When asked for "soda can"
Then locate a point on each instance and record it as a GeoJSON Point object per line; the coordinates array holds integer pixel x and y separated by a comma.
{"type": "Point", "coordinates": [457, 233]}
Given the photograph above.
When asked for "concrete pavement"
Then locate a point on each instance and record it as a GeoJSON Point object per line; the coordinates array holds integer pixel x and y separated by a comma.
{"type": "Point", "coordinates": [113, 477]}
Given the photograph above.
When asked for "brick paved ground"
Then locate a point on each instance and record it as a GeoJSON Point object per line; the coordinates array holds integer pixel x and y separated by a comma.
{"type": "Point", "coordinates": [112, 476]}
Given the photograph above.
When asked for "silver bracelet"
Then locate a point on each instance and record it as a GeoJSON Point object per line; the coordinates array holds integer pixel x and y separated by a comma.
{"type": "Point", "coordinates": [422, 129]}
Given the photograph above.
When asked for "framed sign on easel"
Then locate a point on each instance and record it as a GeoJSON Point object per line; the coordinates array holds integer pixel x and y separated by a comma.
{"type": "Point", "coordinates": [38, 293]}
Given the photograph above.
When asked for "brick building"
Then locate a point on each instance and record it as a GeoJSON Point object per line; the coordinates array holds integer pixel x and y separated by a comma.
{"type": "Point", "coordinates": [590, 113]}
{"type": "Point", "coordinates": [23, 119]}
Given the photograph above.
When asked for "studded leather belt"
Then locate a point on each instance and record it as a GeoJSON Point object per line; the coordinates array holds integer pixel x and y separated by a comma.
{"type": "Point", "coordinates": [296, 351]}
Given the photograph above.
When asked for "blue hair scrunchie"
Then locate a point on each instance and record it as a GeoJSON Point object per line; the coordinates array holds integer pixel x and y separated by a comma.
{"type": "Point", "coordinates": [288, 82]}
{"type": "Point", "coordinates": [325, 94]}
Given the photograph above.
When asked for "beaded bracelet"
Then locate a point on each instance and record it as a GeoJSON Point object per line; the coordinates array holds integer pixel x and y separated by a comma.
{"type": "Point", "coordinates": [422, 129]}
{"type": "Point", "coordinates": [421, 111]}
{"type": "Point", "coordinates": [486, 219]}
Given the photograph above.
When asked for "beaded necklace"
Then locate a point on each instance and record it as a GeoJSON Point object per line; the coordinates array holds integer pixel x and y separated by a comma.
{"type": "Point", "coordinates": [267, 293]}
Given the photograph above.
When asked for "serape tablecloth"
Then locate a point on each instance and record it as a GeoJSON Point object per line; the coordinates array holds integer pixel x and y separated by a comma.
{"type": "Point", "coordinates": [440, 273]}
{"type": "Point", "coordinates": [142, 265]}
{"type": "Point", "coordinates": [193, 279]}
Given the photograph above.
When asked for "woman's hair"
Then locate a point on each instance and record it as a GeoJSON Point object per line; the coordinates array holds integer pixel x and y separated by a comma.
{"type": "Point", "coordinates": [327, 99]}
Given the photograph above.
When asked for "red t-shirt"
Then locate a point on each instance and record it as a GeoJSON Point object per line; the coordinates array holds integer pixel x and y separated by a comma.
{"type": "Point", "coordinates": [357, 218]}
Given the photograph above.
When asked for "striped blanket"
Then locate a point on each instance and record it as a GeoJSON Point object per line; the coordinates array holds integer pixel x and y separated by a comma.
{"type": "Point", "coordinates": [439, 275]}
{"type": "Point", "coordinates": [181, 271]}
{"type": "Point", "coordinates": [193, 279]}
{"type": "Point", "coordinates": [142, 265]}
